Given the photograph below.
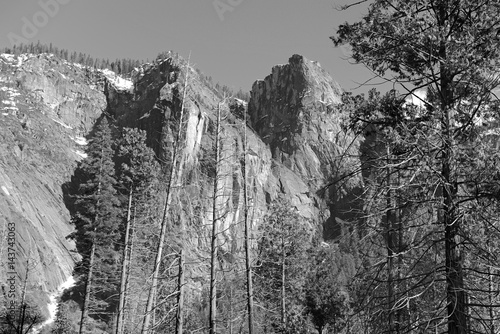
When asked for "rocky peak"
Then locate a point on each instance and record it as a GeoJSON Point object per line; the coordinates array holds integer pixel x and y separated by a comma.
{"type": "Point", "coordinates": [294, 112]}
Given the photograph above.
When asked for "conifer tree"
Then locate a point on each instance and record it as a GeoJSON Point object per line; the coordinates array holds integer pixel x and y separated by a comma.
{"type": "Point", "coordinates": [138, 173]}
{"type": "Point", "coordinates": [96, 220]}
{"type": "Point", "coordinates": [281, 269]}
{"type": "Point", "coordinates": [326, 291]}
{"type": "Point", "coordinates": [451, 49]}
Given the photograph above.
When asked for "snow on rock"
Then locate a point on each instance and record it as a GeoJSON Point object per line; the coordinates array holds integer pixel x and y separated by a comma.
{"type": "Point", "coordinates": [8, 57]}
{"type": "Point", "coordinates": [5, 190]}
{"type": "Point", "coordinates": [13, 58]}
{"type": "Point", "coordinates": [117, 81]}
{"type": "Point", "coordinates": [12, 92]}
{"type": "Point", "coordinates": [80, 141]}
{"type": "Point", "coordinates": [52, 305]}
{"type": "Point", "coordinates": [12, 103]}
{"type": "Point", "coordinates": [20, 60]}
{"type": "Point", "coordinates": [241, 102]}
{"type": "Point", "coordinates": [81, 154]}
{"type": "Point", "coordinates": [61, 123]}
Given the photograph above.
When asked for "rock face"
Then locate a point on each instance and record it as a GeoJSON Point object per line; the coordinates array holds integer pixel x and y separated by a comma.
{"type": "Point", "coordinates": [296, 147]}
{"type": "Point", "coordinates": [46, 104]}
{"type": "Point", "coordinates": [295, 113]}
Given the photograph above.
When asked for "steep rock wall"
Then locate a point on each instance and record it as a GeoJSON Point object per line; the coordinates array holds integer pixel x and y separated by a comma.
{"type": "Point", "coordinates": [46, 105]}
{"type": "Point", "coordinates": [295, 112]}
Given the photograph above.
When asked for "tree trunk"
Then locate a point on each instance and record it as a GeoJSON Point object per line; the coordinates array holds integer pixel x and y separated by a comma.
{"type": "Point", "coordinates": [456, 307]}
{"type": "Point", "coordinates": [88, 282]}
{"type": "Point", "coordinates": [171, 179]}
{"type": "Point", "coordinates": [129, 261]}
{"type": "Point", "coordinates": [389, 243]}
{"type": "Point", "coordinates": [457, 322]}
{"type": "Point", "coordinates": [180, 298]}
{"type": "Point", "coordinates": [283, 280]}
{"type": "Point", "coordinates": [125, 265]}
{"type": "Point", "coordinates": [215, 221]}
{"type": "Point", "coordinates": [22, 315]}
{"type": "Point", "coordinates": [248, 264]}
{"type": "Point", "coordinates": [491, 292]}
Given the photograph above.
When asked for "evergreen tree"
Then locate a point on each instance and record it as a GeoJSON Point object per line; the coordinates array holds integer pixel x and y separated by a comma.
{"type": "Point", "coordinates": [96, 220]}
{"type": "Point", "coordinates": [282, 266]}
{"type": "Point", "coordinates": [450, 48]}
{"type": "Point", "coordinates": [138, 174]}
{"type": "Point", "coordinates": [326, 295]}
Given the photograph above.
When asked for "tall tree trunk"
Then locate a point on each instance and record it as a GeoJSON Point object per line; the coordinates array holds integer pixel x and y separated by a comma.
{"type": "Point", "coordinates": [283, 279]}
{"type": "Point", "coordinates": [180, 298]}
{"type": "Point", "coordinates": [22, 314]}
{"type": "Point", "coordinates": [248, 264]}
{"type": "Point", "coordinates": [215, 221]}
{"type": "Point", "coordinates": [456, 307]}
{"type": "Point", "coordinates": [88, 283]}
{"type": "Point", "coordinates": [129, 261]}
{"type": "Point", "coordinates": [125, 265]}
{"type": "Point", "coordinates": [490, 286]}
{"type": "Point", "coordinates": [389, 242]}
{"type": "Point", "coordinates": [171, 179]}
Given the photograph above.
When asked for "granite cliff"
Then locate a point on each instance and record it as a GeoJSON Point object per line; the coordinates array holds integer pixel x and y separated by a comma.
{"type": "Point", "coordinates": [297, 148]}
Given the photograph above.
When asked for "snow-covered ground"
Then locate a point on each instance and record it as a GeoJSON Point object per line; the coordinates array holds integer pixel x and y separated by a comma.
{"type": "Point", "coordinates": [52, 305]}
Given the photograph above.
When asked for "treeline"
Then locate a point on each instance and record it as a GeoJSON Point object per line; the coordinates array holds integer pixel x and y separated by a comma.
{"type": "Point", "coordinates": [122, 66]}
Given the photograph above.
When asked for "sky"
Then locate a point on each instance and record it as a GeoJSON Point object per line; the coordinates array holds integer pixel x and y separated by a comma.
{"type": "Point", "coordinates": [235, 41]}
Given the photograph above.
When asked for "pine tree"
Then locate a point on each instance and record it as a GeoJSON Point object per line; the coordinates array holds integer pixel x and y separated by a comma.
{"type": "Point", "coordinates": [326, 295]}
{"type": "Point", "coordinates": [280, 274]}
{"type": "Point", "coordinates": [450, 48]}
{"type": "Point", "coordinates": [137, 176]}
{"type": "Point", "coordinates": [96, 220]}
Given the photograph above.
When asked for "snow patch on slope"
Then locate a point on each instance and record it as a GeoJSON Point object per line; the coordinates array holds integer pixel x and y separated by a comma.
{"type": "Point", "coordinates": [8, 57]}
{"type": "Point", "coordinates": [61, 123]}
{"type": "Point", "coordinates": [5, 190]}
{"type": "Point", "coordinates": [52, 305]}
{"type": "Point", "coordinates": [117, 81]}
{"type": "Point", "coordinates": [80, 141]}
{"type": "Point", "coordinates": [81, 154]}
